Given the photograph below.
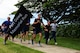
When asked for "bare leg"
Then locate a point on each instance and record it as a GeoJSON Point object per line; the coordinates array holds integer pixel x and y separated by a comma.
{"type": "Point", "coordinates": [21, 37]}
{"type": "Point", "coordinates": [40, 37]}
{"type": "Point", "coordinates": [33, 37]}
{"type": "Point", "coordinates": [6, 38]}
{"type": "Point", "coordinates": [27, 36]}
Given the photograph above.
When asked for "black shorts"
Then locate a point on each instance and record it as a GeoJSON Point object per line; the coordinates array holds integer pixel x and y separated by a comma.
{"type": "Point", "coordinates": [0, 30]}
{"type": "Point", "coordinates": [24, 29]}
{"type": "Point", "coordinates": [37, 30]}
{"type": "Point", "coordinates": [5, 30]}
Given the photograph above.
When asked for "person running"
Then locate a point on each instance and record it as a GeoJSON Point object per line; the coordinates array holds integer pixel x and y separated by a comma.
{"type": "Point", "coordinates": [53, 31]}
{"type": "Point", "coordinates": [25, 31]}
{"type": "Point", "coordinates": [37, 29]}
{"type": "Point", "coordinates": [6, 27]}
{"type": "Point", "coordinates": [46, 31]}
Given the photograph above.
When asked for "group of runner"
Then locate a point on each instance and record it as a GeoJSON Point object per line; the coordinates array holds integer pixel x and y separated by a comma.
{"type": "Point", "coordinates": [37, 29]}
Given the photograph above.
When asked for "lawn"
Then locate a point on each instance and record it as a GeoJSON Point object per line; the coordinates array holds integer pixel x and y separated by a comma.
{"type": "Point", "coordinates": [67, 42]}
{"type": "Point", "coordinates": [73, 43]}
{"type": "Point", "coordinates": [15, 48]}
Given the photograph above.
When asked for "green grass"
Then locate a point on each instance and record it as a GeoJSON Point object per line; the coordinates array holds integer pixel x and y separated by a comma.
{"type": "Point", "coordinates": [15, 48]}
{"type": "Point", "coordinates": [67, 42]}
{"type": "Point", "coordinates": [72, 43]}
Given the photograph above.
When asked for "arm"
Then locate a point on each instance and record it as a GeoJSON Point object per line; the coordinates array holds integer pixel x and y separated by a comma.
{"type": "Point", "coordinates": [45, 28]}
{"type": "Point", "coordinates": [36, 21]}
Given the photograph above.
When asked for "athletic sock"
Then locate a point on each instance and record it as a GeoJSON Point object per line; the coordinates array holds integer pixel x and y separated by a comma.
{"type": "Point", "coordinates": [32, 42]}
{"type": "Point", "coordinates": [39, 42]}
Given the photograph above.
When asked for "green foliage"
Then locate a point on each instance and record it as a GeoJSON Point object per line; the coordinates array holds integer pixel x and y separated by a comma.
{"type": "Point", "coordinates": [66, 9]}
{"type": "Point", "coordinates": [49, 3]}
{"type": "Point", "coordinates": [71, 30]}
{"type": "Point", "coordinates": [20, 3]}
{"type": "Point", "coordinates": [14, 12]}
{"type": "Point", "coordinates": [54, 9]}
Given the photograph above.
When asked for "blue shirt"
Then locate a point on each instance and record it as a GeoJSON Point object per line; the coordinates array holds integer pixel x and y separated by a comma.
{"type": "Point", "coordinates": [7, 23]}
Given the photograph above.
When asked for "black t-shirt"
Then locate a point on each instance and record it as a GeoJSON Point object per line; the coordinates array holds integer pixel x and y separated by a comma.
{"type": "Point", "coordinates": [38, 25]}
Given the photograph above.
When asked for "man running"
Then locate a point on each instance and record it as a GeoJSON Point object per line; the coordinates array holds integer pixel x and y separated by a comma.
{"type": "Point", "coordinates": [25, 31]}
{"type": "Point", "coordinates": [53, 31]}
{"type": "Point", "coordinates": [6, 27]}
{"type": "Point", "coordinates": [37, 29]}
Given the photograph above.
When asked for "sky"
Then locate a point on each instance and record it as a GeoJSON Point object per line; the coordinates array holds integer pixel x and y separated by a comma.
{"type": "Point", "coordinates": [7, 7]}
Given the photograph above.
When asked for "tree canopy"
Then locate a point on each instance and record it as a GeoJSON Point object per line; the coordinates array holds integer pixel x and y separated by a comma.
{"type": "Point", "coordinates": [67, 10]}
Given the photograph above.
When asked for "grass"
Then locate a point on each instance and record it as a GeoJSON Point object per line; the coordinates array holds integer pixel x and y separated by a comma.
{"type": "Point", "coordinates": [15, 48]}
{"type": "Point", "coordinates": [67, 42]}
{"type": "Point", "coordinates": [72, 43]}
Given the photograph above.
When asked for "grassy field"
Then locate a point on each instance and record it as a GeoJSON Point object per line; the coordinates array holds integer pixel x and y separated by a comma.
{"type": "Point", "coordinates": [15, 48]}
{"type": "Point", "coordinates": [73, 43]}
{"type": "Point", "coordinates": [62, 42]}
{"type": "Point", "coordinates": [67, 42]}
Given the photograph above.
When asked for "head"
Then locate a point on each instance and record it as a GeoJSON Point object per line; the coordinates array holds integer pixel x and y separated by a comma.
{"type": "Point", "coordinates": [53, 21]}
{"type": "Point", "coordinates": [39, 16]}
{"type": "Point", "coordinates": [8, 18]}
{"type": "Point", "coordinates": [48, 22]}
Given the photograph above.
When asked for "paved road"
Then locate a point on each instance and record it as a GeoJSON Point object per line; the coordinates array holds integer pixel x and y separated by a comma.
{"type": "Point", "coordinates": [46, 48]}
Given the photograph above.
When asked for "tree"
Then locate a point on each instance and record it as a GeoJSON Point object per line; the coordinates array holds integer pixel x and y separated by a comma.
{"type": "Point", "coordinates": [67, 10]}
{"type": "Point", "coordinates": [63, 10]}
{"type": "Point", "coordinates": [59, 10]}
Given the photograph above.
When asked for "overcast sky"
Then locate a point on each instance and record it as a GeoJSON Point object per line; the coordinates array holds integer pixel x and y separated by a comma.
{"type": "Point", "coordinates": [6, 7]}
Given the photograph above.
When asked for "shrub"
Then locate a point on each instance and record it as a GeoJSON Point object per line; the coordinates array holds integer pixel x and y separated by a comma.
{"type": "Point", "coordinates": [69, 30]}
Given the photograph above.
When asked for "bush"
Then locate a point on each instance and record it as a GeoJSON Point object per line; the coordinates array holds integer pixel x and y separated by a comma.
{"type": "Point", "coordinates": [69, 30]}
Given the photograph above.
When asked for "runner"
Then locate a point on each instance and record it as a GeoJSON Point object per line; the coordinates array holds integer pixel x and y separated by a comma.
{"type": "Point", "coordinates": [46, 31]}
{"type": "Point", "coordinates": [6, 26]}
{"type": "Point", "coordinates": [25, 31]}
{"type": "Point", "coordinates": [37, 29]}
{"type": "Point", "coordinates": [53, 31]}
